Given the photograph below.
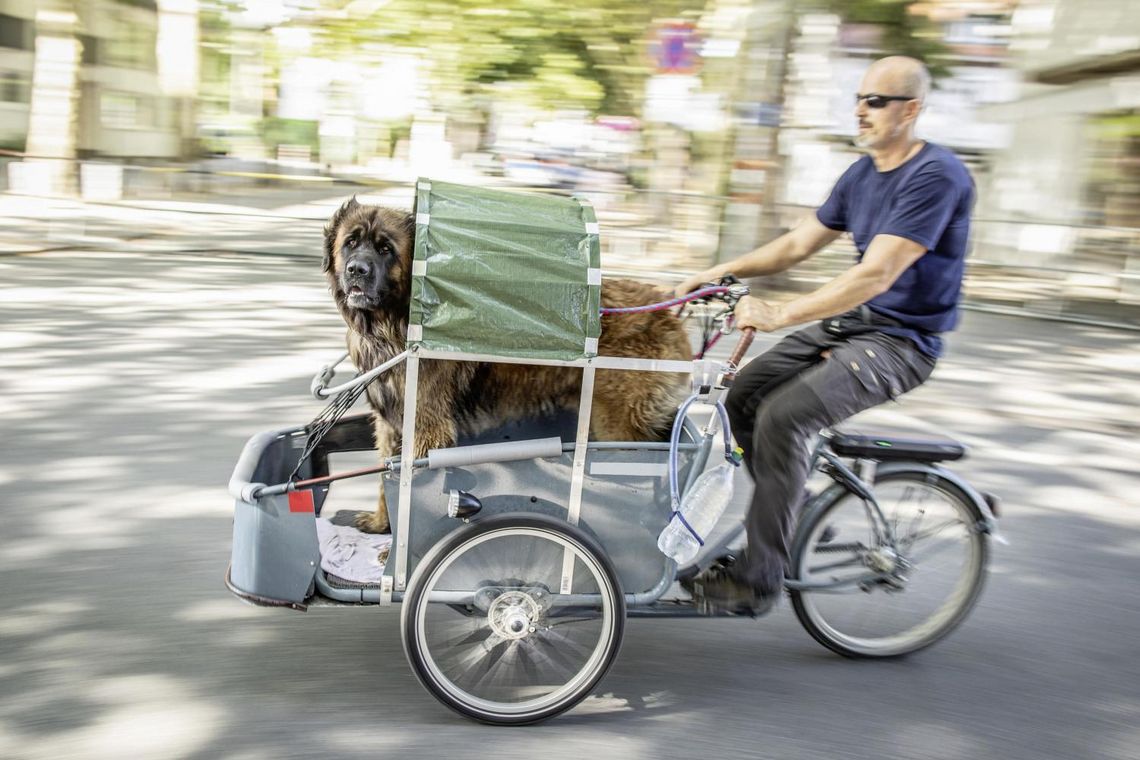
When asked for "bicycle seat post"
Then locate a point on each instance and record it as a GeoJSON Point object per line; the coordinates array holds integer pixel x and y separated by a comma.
{"type": "Point", "coordinates": [865, 470]}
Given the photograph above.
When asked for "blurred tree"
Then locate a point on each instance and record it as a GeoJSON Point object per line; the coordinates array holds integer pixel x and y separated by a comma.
{"type": "Point", "coordinates": [215, 32]}
{"type": "Point", "coordinates": [588, 54]}
{"type": "Point", "coordinates": [53, 111]}
{"type": "Point", "coordinates": [904, 32]}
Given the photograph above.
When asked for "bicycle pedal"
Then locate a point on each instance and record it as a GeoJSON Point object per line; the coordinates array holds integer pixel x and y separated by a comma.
{"type": "Point", "coordinates": [691, 572]}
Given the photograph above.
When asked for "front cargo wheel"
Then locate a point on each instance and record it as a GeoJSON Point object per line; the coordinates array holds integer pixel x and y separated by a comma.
{"type": "Point", "coordinates": [513, 619]}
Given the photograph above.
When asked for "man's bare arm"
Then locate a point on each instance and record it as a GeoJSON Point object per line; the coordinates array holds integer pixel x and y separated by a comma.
{"type": "Point", "coordinates": [887, 257]}
{"type": "Point", "coordinates": [795, 245]}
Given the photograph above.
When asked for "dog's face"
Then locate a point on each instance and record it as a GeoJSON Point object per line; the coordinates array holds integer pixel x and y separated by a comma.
{"type": "Point", "coordinates": [368, 258]}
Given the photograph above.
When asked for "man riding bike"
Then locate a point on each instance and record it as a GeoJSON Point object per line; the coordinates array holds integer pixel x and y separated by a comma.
{"type": "Point", "coordinates": [907, 206]}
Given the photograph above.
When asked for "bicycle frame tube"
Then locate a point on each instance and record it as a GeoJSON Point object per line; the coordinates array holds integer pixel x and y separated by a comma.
{"type": "Point", "coordinates": [847, 479]}
{"type": "Point", "coordinates": [843, 475]}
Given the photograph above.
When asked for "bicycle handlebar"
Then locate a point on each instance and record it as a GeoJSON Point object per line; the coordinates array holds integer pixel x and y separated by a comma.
{"type": "Point", "coordinates": [736, 290]}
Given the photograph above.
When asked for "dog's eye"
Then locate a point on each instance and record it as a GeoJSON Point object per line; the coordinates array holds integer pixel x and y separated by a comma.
{"type": "Point", "coordinates": [350, 243]}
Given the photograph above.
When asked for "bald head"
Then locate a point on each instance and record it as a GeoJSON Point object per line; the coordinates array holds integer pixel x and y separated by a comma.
{"type": "Point", "coordinates": [900, 75]}
{"type": "Point", "coordinates": [903, 84]}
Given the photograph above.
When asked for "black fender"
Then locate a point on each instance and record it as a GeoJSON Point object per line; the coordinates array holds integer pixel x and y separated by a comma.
{"type": "Point", "coordinates": [986, 520]}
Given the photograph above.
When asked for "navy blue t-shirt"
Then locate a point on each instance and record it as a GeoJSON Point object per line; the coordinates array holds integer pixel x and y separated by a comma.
{"type": "Point", "coordinates": [927, 200]}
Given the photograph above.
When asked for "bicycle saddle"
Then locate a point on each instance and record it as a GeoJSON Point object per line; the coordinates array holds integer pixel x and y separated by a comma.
{"type": "Point", "coordinates": [885, 448]}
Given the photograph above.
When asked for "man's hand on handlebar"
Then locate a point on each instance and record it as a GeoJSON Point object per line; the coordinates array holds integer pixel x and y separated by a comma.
{"type": "Point", "coordinates": [691, 283]}
{"type": "Point", "coordinates": [759, 315]}
{"type": "Point", "coordinates": [737, 290]}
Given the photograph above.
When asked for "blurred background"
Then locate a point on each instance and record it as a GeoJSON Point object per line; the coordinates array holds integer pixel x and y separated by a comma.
{"type": "Point", "coordinates": [167, 166]}
{"type": "Point", "coordinates": [699, 128]}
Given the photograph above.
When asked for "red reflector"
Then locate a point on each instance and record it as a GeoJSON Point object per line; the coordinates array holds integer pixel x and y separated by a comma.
{"type": "Point", "coordinates": [301, 501]}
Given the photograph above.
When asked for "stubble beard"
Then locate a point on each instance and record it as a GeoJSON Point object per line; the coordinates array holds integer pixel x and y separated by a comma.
{"type": "Point", "coordinates": [871, 141]}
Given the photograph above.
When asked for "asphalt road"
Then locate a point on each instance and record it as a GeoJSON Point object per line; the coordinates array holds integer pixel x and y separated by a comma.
{"type": "Point", "coordinates": [129, 383]}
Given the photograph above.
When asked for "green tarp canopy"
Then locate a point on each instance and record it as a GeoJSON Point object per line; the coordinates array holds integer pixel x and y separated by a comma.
{"type": "Point", "coordinates": [504, 273]}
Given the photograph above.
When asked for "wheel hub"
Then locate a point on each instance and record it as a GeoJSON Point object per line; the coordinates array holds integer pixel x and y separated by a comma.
{"type": "Point", "coordinates": [882, 560]}
{"type": "Point", "coordinates": [893, 566]}
{"type": "Point", "coordinates": [512, 615]}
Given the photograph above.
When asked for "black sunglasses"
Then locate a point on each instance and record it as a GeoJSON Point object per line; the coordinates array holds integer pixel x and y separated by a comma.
{"type": "Point", "coordinates": [879, 101]}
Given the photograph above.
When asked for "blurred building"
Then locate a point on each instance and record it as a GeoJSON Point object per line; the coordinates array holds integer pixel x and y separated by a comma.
{"type": "Point", "coordinates": [17, 60]}
{"type": "Point", "coordinates": [122, 99]}
{"type": "Point", "coordinates": [1075, 152]}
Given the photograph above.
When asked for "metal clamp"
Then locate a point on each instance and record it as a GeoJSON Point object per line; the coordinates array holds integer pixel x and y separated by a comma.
{"type": "Point", "coordinates": [324, 376]}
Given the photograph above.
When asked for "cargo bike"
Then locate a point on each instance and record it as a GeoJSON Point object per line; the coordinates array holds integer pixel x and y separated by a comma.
{"type": "Point", "coordinates": [518, 554]}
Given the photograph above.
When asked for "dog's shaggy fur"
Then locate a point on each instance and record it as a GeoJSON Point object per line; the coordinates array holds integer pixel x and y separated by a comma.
{"type": "Point", "coordinates": [368, 262]}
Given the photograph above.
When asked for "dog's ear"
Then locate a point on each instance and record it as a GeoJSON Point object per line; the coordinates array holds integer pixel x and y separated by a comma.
{"type": "Point", "coordinates": [331, 228]}
{"type": "Point", "coordinates": [410, 230]}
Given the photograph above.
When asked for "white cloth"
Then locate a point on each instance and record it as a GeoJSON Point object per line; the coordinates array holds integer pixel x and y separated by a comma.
{"type": "Point", "coordinates": [351, 554]}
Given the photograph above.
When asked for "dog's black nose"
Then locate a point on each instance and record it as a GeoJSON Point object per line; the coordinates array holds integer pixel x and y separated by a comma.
{"type": "Point", "coordinates": [358, 268]}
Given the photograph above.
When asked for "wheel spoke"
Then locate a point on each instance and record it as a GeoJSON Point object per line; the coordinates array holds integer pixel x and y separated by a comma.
{"type": "Point", "coordinates": [494, 662]}
{"type": "Point", "coordinates": [478, 636]}
{"type": "Point", "coordinates": [933, 531]}
{"type": "Point", "coordinates": [853, 563]}
{"type": "Point", "coordinates": [933, 550]}
{"type": "Point", "coordinates": [477, 655]}
{"type": "Point", "coordinates": [559, 620]}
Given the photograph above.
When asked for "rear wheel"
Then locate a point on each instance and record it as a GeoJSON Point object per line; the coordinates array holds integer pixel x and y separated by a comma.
{"type": "Point", "coordinates": [488, 631]}
{"type": "Point", "coordinates": [890, 600]}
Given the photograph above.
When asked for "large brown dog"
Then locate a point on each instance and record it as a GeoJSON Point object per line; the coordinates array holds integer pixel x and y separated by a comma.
{"type": "Point", "coordinates": [368, 261]}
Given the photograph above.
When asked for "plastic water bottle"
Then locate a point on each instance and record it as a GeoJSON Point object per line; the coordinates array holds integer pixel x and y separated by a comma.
{"type": "Point", "coordinates": [701, 508]}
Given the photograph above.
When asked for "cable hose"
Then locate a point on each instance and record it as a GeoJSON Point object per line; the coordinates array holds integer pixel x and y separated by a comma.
{"type": "Point", "coordinates": [675, 443]}
{"type": "Point", "coordinates": [662, 305]}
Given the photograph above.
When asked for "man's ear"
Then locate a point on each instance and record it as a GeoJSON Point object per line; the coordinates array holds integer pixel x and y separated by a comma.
{"type": "Point", "coordinates": [914, 108]}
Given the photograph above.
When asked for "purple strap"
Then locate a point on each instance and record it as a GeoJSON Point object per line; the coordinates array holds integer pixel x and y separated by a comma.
{"type": "Point", "coordinates": [662, 305]}
{"type": "Point", "coordinates": [685, 522]}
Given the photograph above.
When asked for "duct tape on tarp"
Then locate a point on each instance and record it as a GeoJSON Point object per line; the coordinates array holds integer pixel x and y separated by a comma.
{"type": "Point", "coordinates": [504, 273]}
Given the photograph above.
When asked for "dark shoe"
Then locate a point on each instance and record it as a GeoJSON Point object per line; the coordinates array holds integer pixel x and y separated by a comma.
{"type": "Point", "coordinates": [717, 590]}
{"type": "Point", "coordinates": [685, 577]}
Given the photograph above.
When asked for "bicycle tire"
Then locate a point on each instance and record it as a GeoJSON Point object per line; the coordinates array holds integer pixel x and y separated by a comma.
{"type": "Point", "coordinates": [435, 665]}
{"type": "Point", "coordinates": [929, 630]}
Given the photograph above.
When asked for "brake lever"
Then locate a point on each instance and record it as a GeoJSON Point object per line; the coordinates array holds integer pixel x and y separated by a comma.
{"type": "Point", "coordinates": [736, 289]}
{"type": "Point", "coordinates": [736, 292]}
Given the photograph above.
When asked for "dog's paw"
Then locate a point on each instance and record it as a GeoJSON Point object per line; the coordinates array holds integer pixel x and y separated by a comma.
{"type": "Point", "coordinates": [370, 522]}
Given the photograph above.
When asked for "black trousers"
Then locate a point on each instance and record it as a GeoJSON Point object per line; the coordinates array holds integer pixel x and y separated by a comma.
{"type": "Point", "coordinates": [777, 406]}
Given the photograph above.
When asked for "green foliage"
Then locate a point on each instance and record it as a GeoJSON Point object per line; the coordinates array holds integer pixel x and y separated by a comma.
{"type": "Point", "coordinates": [903, 32]}
{"type": "Point", "coordinates": [15, 143]}
{"type": "Point", "coordinates": [215, 31]}
{"type": "Point", "coordinates": [588, 54]}
{"type": "Point", "coordinates": [149, 5]}
{"type": "Point", "coordinates": [277, 131]}
{"type": "Point", "coordinates": [395, 132]}
{"type": "Point", "coordinates": [1116, 126]}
